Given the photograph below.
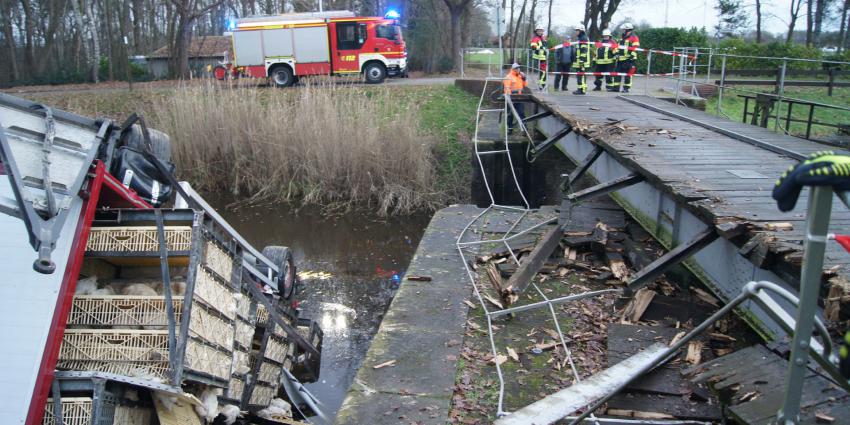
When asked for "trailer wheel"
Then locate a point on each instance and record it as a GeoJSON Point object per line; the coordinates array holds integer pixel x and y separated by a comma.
{"type": "Point", "coordinates": [375, 73]}
{"type": "Point", "coordinates": [282, 76]}
{"type": "Point", "coordinates": [281, 256]}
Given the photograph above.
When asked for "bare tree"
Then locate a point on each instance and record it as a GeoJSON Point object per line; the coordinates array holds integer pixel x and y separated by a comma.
{"type": "Point", "coordinates": [187, 12]}
{"type": "Point", "coordinates": [549, 19]}
{"type": "Point", "coordinates": [597, 15]}
{"type": "Point", "coordinates": [792, 22]}
{"type": "Point", "coordinates": [8, 34]}
{"type": "Point", "coordinates": [842, 34]}
{"type": "Point", "coordinates": [456, 9]}
{"type": "Point", "coordinates": [809, 23]}
{"type": "Point", "coordinates": [758, 21]}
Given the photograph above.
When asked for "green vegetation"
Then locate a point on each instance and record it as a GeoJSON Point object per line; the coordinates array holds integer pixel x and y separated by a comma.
{"type": "Point", "coordinates": [733, 107]}
{"type": "Point", "coordinates": [391, 149]}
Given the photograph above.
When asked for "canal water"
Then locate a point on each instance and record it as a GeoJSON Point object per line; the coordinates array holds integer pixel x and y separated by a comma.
{"type": "Point", "coordinates": [348, 265]}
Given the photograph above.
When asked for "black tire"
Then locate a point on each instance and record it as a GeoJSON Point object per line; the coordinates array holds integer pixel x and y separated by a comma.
{"type": "Point", "coordinates": [375, 73]}
{"type": "Point", "coordinates": [281, 256]}
{"type": "Point", "coordinates": [282, 76]}
{"type": "Point", "coordinates": [160, 142]}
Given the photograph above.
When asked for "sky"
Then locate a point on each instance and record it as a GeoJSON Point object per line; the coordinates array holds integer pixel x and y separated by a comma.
{"type": "Point", "coordinates": [681, 13]}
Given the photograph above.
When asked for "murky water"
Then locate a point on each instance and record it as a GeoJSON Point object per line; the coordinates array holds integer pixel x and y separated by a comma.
{"type": "Point", "coordinates": [347, 264]}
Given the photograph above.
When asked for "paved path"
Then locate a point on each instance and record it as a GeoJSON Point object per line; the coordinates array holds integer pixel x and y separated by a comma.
{"type": "Point", "coordinates": [422, 332]}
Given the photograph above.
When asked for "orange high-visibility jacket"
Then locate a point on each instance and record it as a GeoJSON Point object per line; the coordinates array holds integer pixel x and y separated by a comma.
{"type": "Point", "coordinates": [514, 82]}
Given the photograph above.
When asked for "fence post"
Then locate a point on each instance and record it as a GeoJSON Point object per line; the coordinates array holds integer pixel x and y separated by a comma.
{"type": "Point", "coordinates": [679, 77]}
{"type": "Point", "coordinates": [461, 63]}
{"type": "Point", "coordinates": [648, 73]}
{"type": "Point", "coordinates": [708, 67]}
{"type": "Point", "coordinates": [720, 89]}
{"type": "Point", "coordinates": [780, 90]}
{"type": "Point", "coordinates": [831, 80]}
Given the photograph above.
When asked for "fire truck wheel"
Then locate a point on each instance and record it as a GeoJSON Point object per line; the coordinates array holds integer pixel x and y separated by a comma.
{"type": "Point", "coordinates": [375, 73]}
{"type": "Point", "coordinates": [282, 76]}
{"type": "Point", "coordinates": [219, 72]}
{"type": "Point", "coordinates": [281, 256]}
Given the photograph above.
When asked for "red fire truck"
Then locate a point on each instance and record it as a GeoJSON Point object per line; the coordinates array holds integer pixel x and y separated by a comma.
{"type": "Point", "coordinates": [285, 47]}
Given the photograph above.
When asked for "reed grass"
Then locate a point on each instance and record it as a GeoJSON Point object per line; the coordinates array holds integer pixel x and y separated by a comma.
{"type": "Point", "coordinates": [324, 144]}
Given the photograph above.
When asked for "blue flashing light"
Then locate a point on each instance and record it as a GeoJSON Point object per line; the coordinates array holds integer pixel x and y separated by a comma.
{"type": "Point", "coordinates": [392, 14]}
{"type": "Point", "coordinates": [231, 24]}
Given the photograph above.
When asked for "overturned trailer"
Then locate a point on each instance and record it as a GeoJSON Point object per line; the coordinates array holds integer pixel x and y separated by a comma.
{"type": "Point", "coordinates": [132, 311]}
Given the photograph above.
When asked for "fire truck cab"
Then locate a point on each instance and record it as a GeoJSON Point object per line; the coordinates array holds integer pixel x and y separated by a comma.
{"type": "Point", "coordinates": [285, 47]}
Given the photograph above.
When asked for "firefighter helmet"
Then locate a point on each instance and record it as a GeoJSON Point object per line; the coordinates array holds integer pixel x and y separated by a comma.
{"type": "Point", "coordinates": [579, 27]}
{"type": "Point", "coordinates": [628, 26]}
{"type": "Point", "coordinates": [606, 32]}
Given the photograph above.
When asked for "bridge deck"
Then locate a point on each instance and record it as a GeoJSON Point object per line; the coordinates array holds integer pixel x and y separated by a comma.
{"type": "Point", "coordinates": [717, 177]}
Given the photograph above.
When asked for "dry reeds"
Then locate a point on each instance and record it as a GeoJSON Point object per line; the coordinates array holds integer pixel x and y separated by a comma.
{"type": "Point", "coordinates": [327, 145]}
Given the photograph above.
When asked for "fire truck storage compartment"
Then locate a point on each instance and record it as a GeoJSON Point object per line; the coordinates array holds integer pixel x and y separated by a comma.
{"type": "Point", "coordinates": [303, 44]}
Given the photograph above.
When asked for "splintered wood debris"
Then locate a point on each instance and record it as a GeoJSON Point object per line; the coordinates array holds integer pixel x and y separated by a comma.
{"type": "Point", "coordinates": [529, 348]}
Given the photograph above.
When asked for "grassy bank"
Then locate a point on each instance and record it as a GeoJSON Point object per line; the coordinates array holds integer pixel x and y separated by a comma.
{"type": "Point", "coordinates": [733, 107]}
{"type": "Point", "coordinates": [389, 149]}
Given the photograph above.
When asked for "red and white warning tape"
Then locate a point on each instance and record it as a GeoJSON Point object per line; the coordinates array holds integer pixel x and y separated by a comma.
{"type": "Point", "coordinates": [620, 74]}
{"type": "Point", "coordinates": [615, 45]}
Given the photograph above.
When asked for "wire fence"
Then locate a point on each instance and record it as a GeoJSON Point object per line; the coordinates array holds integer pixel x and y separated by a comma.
{"type": "Point", "coordinates": [808, 98]}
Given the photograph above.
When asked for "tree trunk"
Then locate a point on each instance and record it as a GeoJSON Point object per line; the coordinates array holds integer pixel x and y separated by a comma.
{"type": "Point", "coordinates": [792, 22]}
{"type": "Point", "coordinates": [820, 11]}
{"type": "Point", "coordinates": [181, 47]}
{"type": "Point", "coordinates": [81, 31]}
{"type": "Point", "coordinates": [549, 19]}
{"type": "Point", "coordinates": [29, 29]}
{"type": "Point", "coordinates": [95, 42]}
{"type": "Point", "coordinates": [809, 22]}
{"type": "Point", "coordinates": [842, 40]}
{"type": "Point", "coordinates": [514, 43]}
{"type": "Point", "coordinates": [510, 32]}
{"type": "Point", "coordinates": [138, 22]}
{"type": "Point", "coordinates": [110, 39]}
{"type": "Point", "coordinates": [10, 38]}
{"type": "Point", "coordinates": [758, 21]}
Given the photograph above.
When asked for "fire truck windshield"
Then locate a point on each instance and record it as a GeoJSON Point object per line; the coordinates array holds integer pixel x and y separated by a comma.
{"type": "Point", "coordinates": [390, 32]}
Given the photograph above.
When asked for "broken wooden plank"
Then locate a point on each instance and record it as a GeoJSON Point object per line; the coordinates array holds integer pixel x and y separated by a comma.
{"type": "Point", "coordinates": [495, 278]}
{"type": "Point", "coordinates": [633, 312]}
{"type": "Point", "coordinates": [582, 394]}
{"type": "Point", "coordinates": [527, 269]}
{"type": "Point", "coordinates": [638, 414]}
{"type": "Point", "coordinates": [694, 355]}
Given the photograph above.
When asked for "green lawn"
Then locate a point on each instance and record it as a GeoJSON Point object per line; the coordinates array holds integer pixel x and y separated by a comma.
{"type": "Point", "coordinates": [733, 107]}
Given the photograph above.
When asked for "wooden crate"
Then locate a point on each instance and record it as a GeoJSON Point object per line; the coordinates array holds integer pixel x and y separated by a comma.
{"type": "Point", "coordinates": [218, 260]}
{"type": "Point", "coordinates": [127, 415]}
{"type": "Point", "coordinates": [139, 353]}
{"type": "Point", "coordinates": [78, 411]}
{"type": "Point", "coordinates": [244, 334]}
{"type": "Point", "coordinates": [276, 349]}
{"type": "Point", "coordinates": [214, 293]}
{"type": "Point", "coordinates": [262, 395]}
{"type": "Point", "coordinates": [207, 325]}
{"type": "Point", "coordinates": [138, 239]}
{"type": "Point", "coordinates": [235, 388]}
{"type": "Point", "coordinates": [269, 373]}
{"type": "Point", "coordinates": [122, 310]}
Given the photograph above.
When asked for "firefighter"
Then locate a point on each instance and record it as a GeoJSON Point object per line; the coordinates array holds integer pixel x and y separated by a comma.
{"type": "Point", "coordinates": [564, 58]}
{"type": "Point", "coordinates": [539, 54]}
{"type": "Point", "coordinates": [582, 63]}
{"type": "Point", "coordinates": [514, 83]}
{"type": "Point", "coordinates": [605, 57]}
{"type": "Point", "coordinates": [626, 58]}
